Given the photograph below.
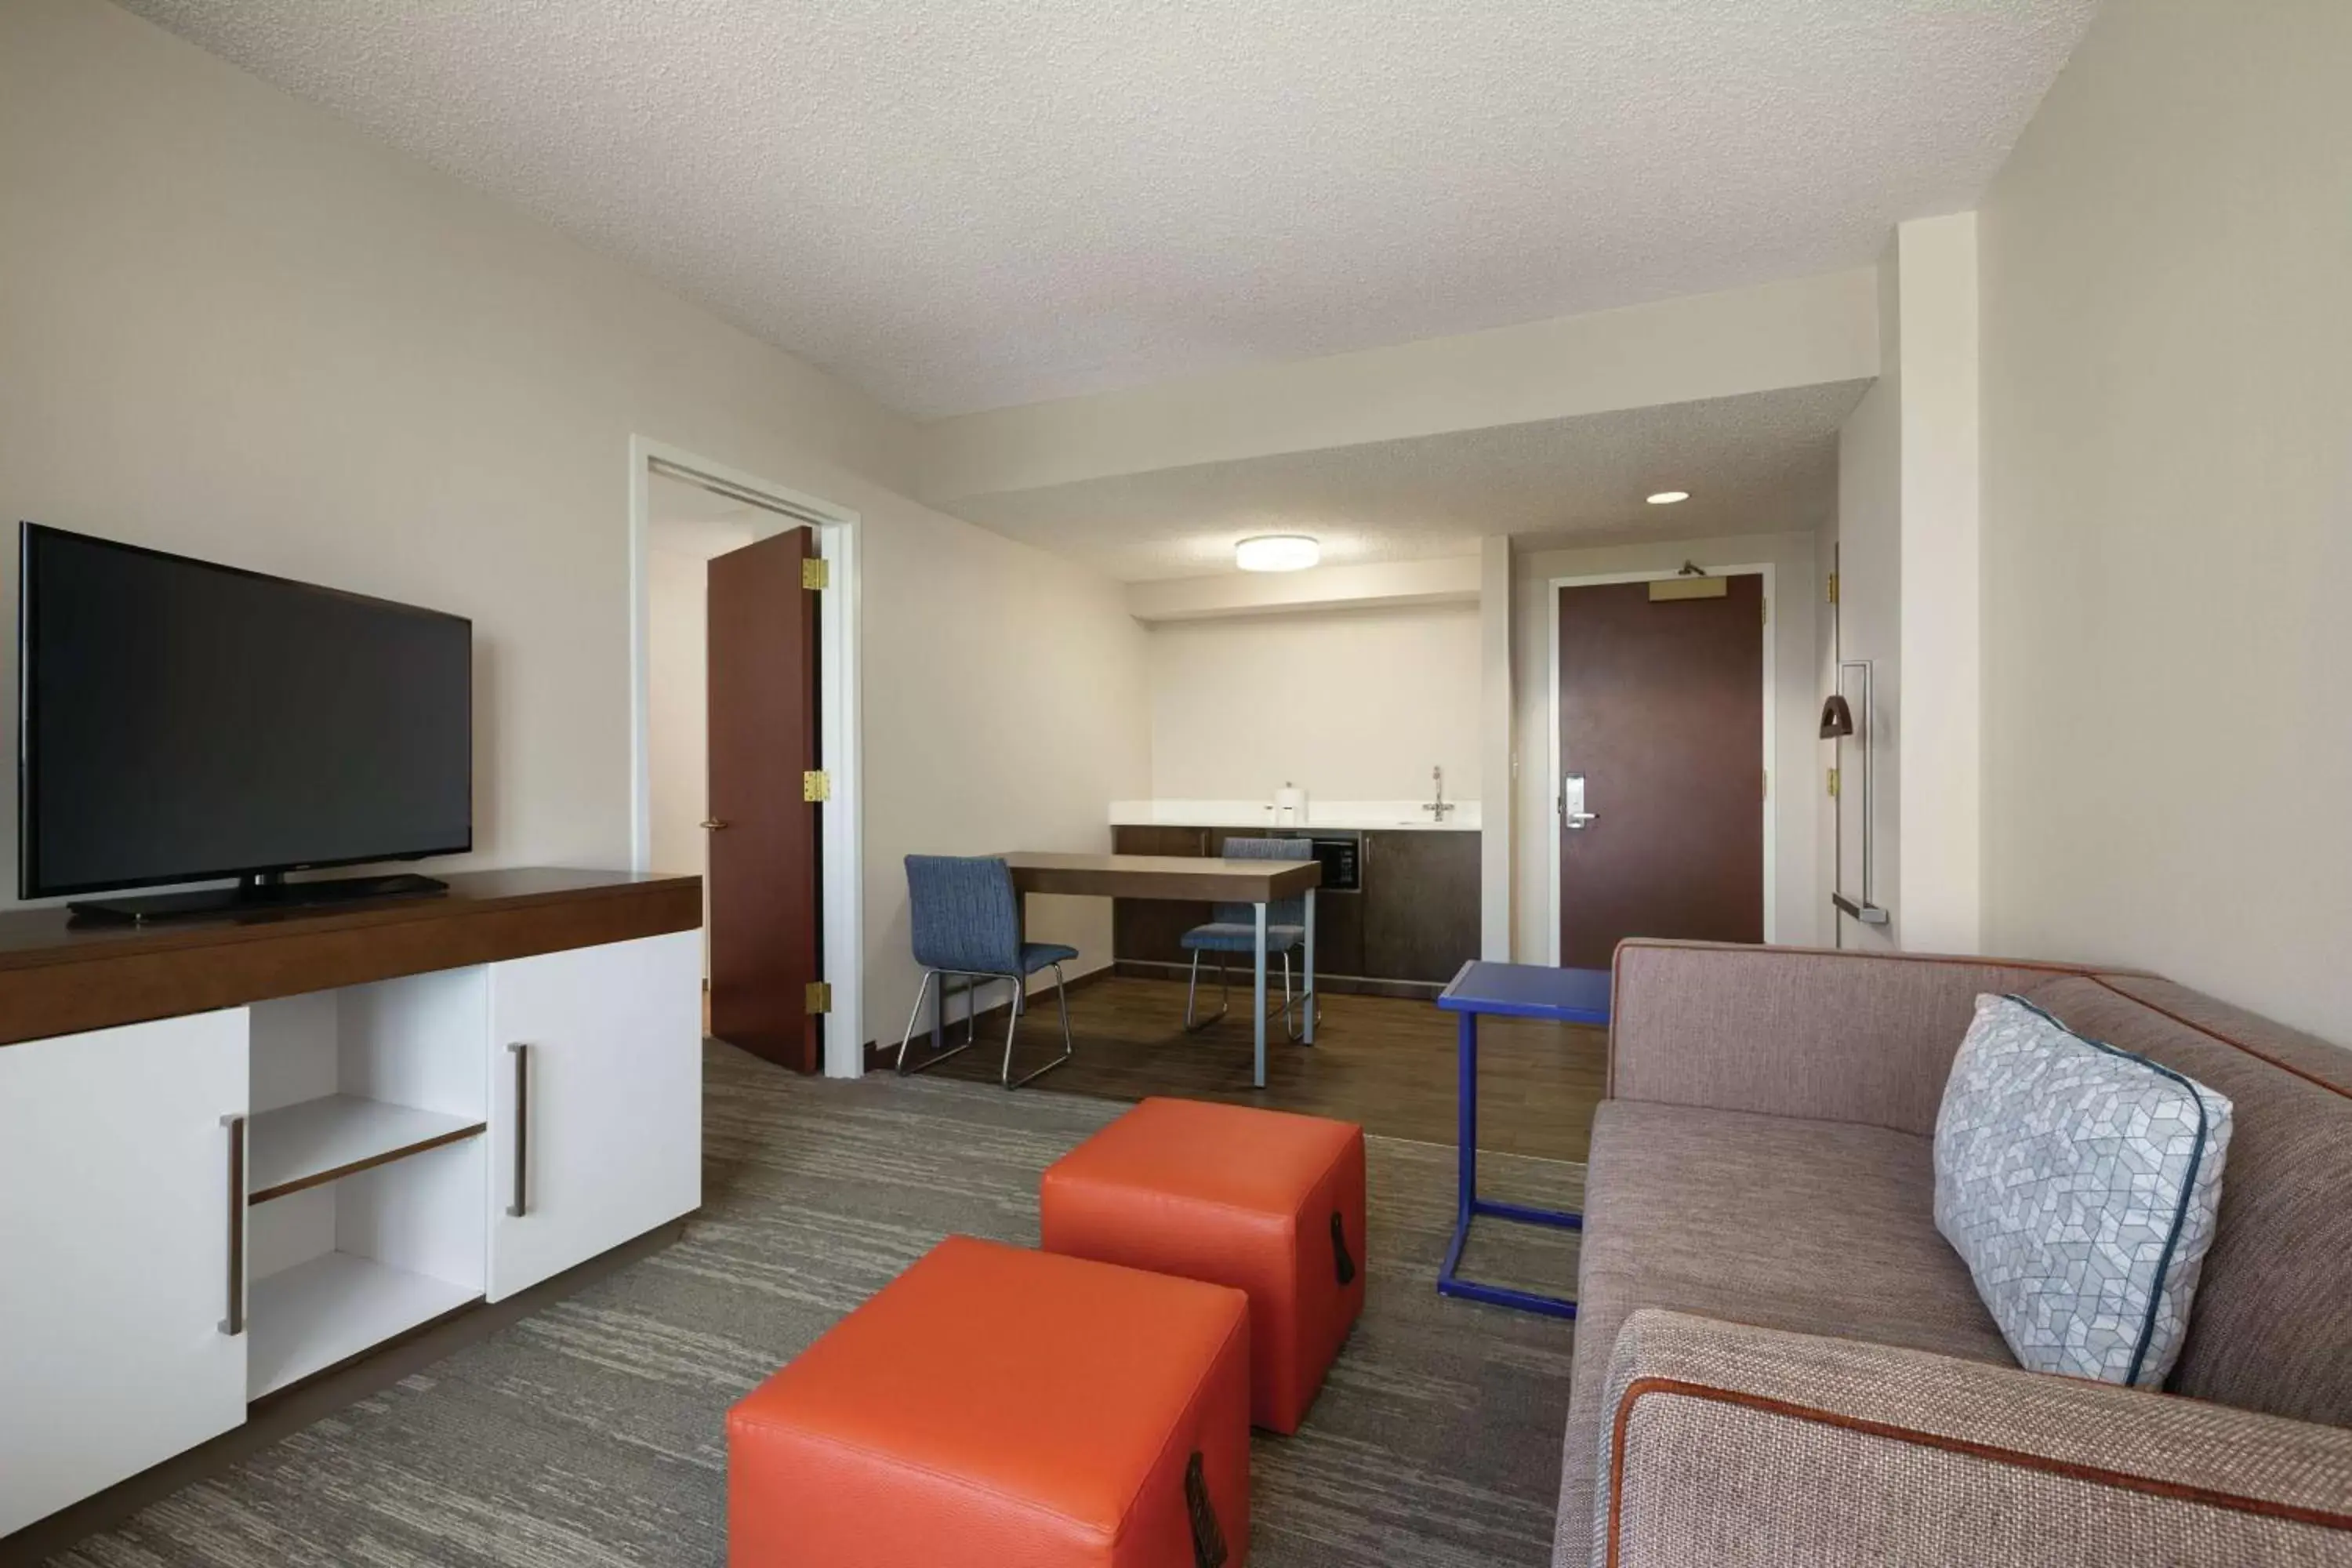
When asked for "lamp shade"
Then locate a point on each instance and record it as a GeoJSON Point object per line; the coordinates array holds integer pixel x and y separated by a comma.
{"type": "Point", "coordinates": [1837, 718]}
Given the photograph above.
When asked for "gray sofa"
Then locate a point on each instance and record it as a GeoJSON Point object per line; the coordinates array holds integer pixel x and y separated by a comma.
{"type": "Point", "coordinates": [1778, 1360]}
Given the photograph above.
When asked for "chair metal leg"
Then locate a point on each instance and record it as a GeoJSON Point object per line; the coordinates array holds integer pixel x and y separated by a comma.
{"type": "Point", "coordinates": [1020, 1003]}
{"type": "Point", "coordinates": [916, 1016]}
{"type": "Point", "coordinates": [912, 1018]}
{"type": "Point", "coordinates": [1296, 1030]}
{"type": "Point", "coordinates": [1192, 988]}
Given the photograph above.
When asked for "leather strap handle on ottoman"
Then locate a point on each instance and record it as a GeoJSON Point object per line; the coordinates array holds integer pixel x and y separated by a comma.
{"type": "Point", "coordinates": [1339, 1259]}
{"type": "Point", "coordinates": [1208, 1540]}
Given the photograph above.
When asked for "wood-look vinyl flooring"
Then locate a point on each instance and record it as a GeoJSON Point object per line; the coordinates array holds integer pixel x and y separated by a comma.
{"type": "Point", "coordinates": [1387, 1064]}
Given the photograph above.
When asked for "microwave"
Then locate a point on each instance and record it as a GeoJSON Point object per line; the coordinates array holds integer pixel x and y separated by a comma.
{"type": "Point", "coordinates": [1342, 859]}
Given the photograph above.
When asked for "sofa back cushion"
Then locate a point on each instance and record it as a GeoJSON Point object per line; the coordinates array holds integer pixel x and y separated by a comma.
{"type": "Point", "coordinates": [2271, 1326]}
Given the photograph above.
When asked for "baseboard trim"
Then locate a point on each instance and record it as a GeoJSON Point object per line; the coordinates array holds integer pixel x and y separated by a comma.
{"type": "Point", "coordinates": [879, 1056]}
{"type": "Point", "coordinates": [288, 1411]}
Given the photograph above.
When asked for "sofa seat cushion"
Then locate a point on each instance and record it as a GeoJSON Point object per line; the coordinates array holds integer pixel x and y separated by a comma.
{"type": "Point", "coordinates": [1819, 1227]}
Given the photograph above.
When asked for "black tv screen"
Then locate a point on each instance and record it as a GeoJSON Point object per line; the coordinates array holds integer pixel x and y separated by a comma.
{"type": "Point", "coordinates": [180, 720]}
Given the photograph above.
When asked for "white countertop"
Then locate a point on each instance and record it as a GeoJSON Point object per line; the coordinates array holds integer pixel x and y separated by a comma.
{"type": "Point", "coordinates": [1331, 813]}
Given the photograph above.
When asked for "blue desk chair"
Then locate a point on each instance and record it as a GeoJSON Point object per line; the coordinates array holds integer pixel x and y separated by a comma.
{"type": "Point", "coordinates": [1234, 930]}
{"type": "Point", "coordinates": [967, 921]}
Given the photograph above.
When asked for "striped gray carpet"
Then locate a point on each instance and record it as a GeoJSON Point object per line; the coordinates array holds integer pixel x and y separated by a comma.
{"type": "Point", "coordinates": [591, 1433]}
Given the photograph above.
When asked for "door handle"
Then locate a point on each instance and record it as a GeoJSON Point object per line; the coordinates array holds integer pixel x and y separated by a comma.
{"type": "Point", "coordinates": [713, 824]}
{"type": "Point", "coordinates": [522, 1204]}
{"type": "Point", "coordinates": [1572, 815]}
{"type": "Point", "coordinates": [234, 1324]}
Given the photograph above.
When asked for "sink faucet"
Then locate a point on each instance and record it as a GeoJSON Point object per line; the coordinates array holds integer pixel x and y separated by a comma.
{"type": "Point", "coordinates": [1438, 807]}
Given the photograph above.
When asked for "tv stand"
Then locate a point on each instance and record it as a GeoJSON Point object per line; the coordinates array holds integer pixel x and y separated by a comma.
{"type": "Point", "coordinates": [261, 892]}
{"type": "Point", "coordinates": [237, 1154]}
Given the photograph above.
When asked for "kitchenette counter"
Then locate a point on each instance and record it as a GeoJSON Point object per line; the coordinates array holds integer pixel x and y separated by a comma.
{"type": "Point", "coordinates": [1340, 815]}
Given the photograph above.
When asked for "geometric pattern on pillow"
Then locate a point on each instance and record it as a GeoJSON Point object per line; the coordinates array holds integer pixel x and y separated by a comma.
{"type": "Point", "coordinates": [2080, 1184]}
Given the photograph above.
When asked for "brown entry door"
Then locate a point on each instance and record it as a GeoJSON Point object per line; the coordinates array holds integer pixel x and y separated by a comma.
{"type": "Point", "coordinates": [1662, 717]}
{"type": "Point", "coordinates": [764, 948]}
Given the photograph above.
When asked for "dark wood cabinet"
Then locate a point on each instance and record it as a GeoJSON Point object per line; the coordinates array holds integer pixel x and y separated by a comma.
{"type": "Point", "coordinates": [1416, 919]}
{"type": "Point", "coordinates": [1419, 904]}
{"type": "Point", "coordinates": [1151, 929]}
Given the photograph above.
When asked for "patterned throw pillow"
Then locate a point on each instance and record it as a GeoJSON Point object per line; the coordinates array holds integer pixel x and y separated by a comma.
{"type": "Point", "coordinates": [2079, 1183]}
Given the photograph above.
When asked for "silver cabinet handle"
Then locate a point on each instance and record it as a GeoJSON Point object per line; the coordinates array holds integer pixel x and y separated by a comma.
{"type": "Point", "coordinates": [522, 1204]}
{"type": "Point", "coordinates": [234, 1324]}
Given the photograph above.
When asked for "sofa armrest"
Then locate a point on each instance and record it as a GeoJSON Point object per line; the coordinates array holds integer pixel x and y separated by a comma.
{"type": "Point", "coordinates": [1729, 1445]}
{"type": "Point", "coordinates": [1791, 1031]}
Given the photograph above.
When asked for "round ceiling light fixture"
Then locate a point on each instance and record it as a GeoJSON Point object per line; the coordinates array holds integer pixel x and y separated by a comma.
{"type": "Point", "coordinates": [1278, 553]}
{"type": "Point", "coordinates": [1668, 498]}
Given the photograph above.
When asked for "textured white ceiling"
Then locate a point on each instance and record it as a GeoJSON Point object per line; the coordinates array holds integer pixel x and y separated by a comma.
{"type": "Point", "coordinates": [964, 203]}
{"type": "Point", "coordinates": [1763, 463]}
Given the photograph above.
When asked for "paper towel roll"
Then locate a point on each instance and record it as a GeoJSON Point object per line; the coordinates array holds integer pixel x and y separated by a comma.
{"type": "Point", "coordinates": [1289, 807]}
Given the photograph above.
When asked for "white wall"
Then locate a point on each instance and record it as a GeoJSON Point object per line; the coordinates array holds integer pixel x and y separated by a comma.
{"type": "Point", "coordinates": [1938, 886]}
{"type": "Point", "coordinates": [1908, 540]}
{"type": "Point", "coordinates": [677, 679]}
{"type": "Point", "coordinates": [677, 720]}
{"type": "Point", "coordinates": [1869, 531]}
{"type": "Point", "coordinates": [233, 325]}
{"type": "Point", "coordinates": [1006, 707]}
{"type": "Point", "coordinates": [1347, 704]}
{"type": "Point", "coordinates": [1497, 732]}
{"type": "Point", "coordinates": [1445, 579]}
{"type": "Point", "coordinates": [1801, 331]}
{"type": "Point", "coordinates": [1796, 890]}
{"type": "Point", "coordinates": [2168, 488]}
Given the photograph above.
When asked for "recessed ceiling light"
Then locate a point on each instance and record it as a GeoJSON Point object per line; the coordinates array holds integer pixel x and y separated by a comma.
{"type": "Point", "coordinates": [1668, 498]}
{"type": "Point", "coordinates": [1278, 553]}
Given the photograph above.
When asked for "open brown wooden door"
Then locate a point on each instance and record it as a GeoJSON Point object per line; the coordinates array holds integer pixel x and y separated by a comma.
{"type": "Point", "coordinates": [1662, 718]}
{"type": "Point", "coordinates": [764, 943]}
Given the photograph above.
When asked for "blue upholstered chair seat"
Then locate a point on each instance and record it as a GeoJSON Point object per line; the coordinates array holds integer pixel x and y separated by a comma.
{"type": "Point", "coordinates": [1036, 955]}
{"type": "Point", "coordinates": [1229, 937]}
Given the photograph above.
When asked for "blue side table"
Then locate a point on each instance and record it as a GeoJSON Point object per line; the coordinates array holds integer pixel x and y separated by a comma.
{"type": "Point", "coordinates": [1509, 991]}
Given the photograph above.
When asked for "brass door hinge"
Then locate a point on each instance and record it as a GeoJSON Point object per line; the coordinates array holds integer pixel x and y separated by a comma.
{"type": "Point", "coordinates": [820, 996]}
{"type": "Point", "coordinates": [815, 572]}
{"type": "Point", "coordinates": [1833, 587]}
{"type": "Point", "coordinates": [816, 785]}
{"type": "Point", "coordinates": [1832, 784]}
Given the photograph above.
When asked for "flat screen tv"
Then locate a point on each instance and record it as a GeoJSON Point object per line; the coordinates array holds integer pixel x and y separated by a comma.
{"type": "Point", "coordinates": [181, 721]}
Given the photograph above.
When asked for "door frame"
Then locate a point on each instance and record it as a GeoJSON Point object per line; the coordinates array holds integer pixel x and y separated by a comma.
{"type": "Point", "coordinates": [1553, 834]}
{"type": "Point", "coordinates": [839, 727]}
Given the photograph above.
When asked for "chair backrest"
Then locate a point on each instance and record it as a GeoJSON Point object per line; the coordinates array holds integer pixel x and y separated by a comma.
{"type": "Point", "coordinates": [1282, 911]}
{"type": "Point", "coordinates": [966, 915]}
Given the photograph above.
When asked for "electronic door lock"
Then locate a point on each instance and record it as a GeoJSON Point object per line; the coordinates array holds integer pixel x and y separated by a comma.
{"type": "Point", "coordinates": [1572, 815]}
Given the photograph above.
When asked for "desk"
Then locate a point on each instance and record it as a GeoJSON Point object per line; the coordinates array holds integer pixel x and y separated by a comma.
{"type": "Point", "coordinates": [1188, 878]}
{"type": "Point", "coordinates": [1509, 991]}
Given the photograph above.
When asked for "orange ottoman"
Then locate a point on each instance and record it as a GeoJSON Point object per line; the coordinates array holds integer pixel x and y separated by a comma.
{"type": "Point", "coordinates": [997, 1405]}
{"type": "Point", "coordinates": [1269, 1203]}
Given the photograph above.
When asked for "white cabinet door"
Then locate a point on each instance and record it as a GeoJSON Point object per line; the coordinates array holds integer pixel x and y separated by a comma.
{"type": "Point", "coordinates": [595, 1101]}
{"type": "Point", "coordinates": [115, 1254]}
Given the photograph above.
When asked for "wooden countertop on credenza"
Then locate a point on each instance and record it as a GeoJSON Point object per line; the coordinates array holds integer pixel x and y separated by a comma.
{"type": "Point", "coordinates": [61, 976]}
